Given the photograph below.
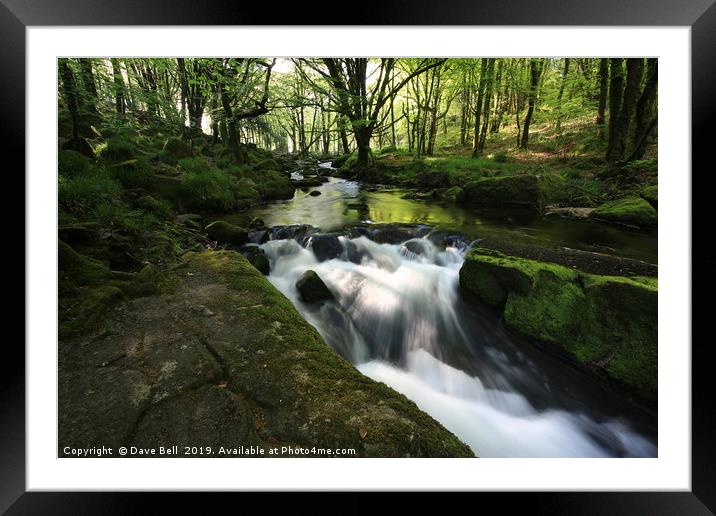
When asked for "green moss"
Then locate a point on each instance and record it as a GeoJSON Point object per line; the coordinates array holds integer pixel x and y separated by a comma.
{"type": "Point", "coordinates": [159, 207]}
{"type": "Point", "coordinates": [175, 149]}
{"type": "Point", "coordinates": [134, 173]}
{"type": "Point", "coordinates": [117, 150]}
{"type": "Point", "coordinates": [631, 210]}
{"type": "Point", "coordinates": [87, 288]}
{"type": "Point", "coordinates": [521, 190]}
{"type": "Point", "coordinates": [334, 401]}
{"type": "Point", "coordinates": [651, 195]}
{"type": "Point", "coordinates": [73, 164]}
{"type": "Point", "coordinates": [223, 232]}
{"type": "Point", "coordinates": [267, 164]}
{"type": "Point", "coordinates": [81, 194]}
{"type": "Point", "coordinates": [604, 322]}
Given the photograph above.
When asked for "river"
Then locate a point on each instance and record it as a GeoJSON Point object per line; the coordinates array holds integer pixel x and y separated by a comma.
{"type": "Point", "coordinates": [399, 318]}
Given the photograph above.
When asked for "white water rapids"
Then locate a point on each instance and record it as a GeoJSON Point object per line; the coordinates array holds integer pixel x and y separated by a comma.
{"type": "Point", "coordinates": [399, 317]}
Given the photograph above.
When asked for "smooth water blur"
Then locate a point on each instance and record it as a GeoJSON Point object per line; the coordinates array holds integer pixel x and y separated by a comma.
{"type": "Point", "coordinates": [399, 317]}
{"type": "Point", "coordinates": [344, 202]}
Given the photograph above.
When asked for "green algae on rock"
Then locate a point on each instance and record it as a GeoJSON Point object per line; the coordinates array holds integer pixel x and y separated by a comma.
{"type": "Point", "coordinates": [219, 340]}
{"type": "Point", "coordinates": [226, 233]}
{"type": "Point", "coordinates": [607, 323]}
{"type": "Point", "coordinates": [632, 211]}
{"type": "Point", "coordinates": [525, 190]}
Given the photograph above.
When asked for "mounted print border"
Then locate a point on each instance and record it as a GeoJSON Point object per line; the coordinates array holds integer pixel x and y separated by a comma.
{"type": "Point", "coordinates": [16, 15]}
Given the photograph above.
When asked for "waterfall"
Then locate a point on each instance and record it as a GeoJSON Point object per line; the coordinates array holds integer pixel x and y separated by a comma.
{"type": "Point", "coordinates": [399, 318]}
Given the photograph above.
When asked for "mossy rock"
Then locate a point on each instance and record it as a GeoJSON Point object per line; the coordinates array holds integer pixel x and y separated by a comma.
{"type": "Point", "coordinates": [524, 190]}
{"type": "Point", "coordinates": [631, 211]}
{"type": "Point", "coordinates": [87, 288]}
{"type": "Point", "coordinates": [226, 233]}
{"type": "Point", "coordinates": [273, 185]}
{"type": "Point", "coordinates": [452, 194]}
{"type": "Point", "coordinates": [312, 288]}
{"type": "Point", "coordinates": [117, 149]}
{"type": "Point", "coordinates": [152, 205]}
{"type": "Point", "coordinates": [73, 164]}
{"type": "Point", "coordinates": [518, 190]}
{"type": "Point", "coordinates": [606, 323]}
{"type": "Point", "coordinates": [268, 164]}
{"type": "Point", "coordinates": [175, 149]}
{"type": "Point", "coordinates": [134, 173]}
{"type": "Point", "coordinates": [651, 195]}
{"type": "Point", "coordinates": [219, 339]}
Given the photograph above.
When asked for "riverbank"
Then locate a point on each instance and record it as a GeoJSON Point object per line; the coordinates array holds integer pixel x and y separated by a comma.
{"type": "Point", "coordinates": [215, 356]}
{"type": "Point", "coordinates": [118, 254]}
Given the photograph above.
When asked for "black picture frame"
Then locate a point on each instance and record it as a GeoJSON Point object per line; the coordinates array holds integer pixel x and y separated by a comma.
{"type": "Point", "coordinates": [700, 15]}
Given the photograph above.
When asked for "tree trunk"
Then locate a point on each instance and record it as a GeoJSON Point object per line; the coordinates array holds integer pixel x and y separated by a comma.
{"type": "Point", "coordinates": [620, 130]}
{"type": "Point", "coordinates": [535, 72]}
{"type": "Point", "coordinates": [616, 93]}
{"type": "Point", "coordinates": [70, 91]}
{"type": "Point", "coordinates": [603, 93]}
{"type": "Point", "coordinates": [560, 94]}
{"type": "Point", "coordinates": [118, 85]}
{"type": "Point", "coordinates": [646, 116]}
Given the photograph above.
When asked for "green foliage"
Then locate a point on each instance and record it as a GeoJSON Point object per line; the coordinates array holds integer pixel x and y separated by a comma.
{"type": "Point", "coordinates": [117, 149]}
{"type": "Point", "coordinates": [135, 173]}
{"type": "Point", "coordinates": [121, 218]}
{"type": "Point", "coordinates": [500, 156]}
{"type": "Point", "coordinates": [175, 149]}
{"type": "Point", "coordinates": [207, 189]}
{"type": "Point", "coordinates": [81, 194]}
{"type": "Point", "coordinates": [73, 164]}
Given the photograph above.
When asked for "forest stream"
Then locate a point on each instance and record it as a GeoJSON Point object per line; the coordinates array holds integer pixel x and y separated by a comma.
{"type": "Point", "coordinates": [399, 317]}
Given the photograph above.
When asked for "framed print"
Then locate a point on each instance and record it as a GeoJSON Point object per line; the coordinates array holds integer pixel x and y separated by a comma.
{"type": "Point", "coordinates": [428, 246]}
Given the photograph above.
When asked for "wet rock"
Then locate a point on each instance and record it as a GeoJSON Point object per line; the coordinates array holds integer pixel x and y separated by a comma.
{"type": "Point", "coordinates": [606, 324]}
{"type": "Point", "coordinates": [257, 223]}
{"type": "Point", "coordinates": [312, 288]}
{"type": "Point", "coordinates": [314, 193]}
{"type": "Point", "coordinates": [297, 232]}
{"type": "Point", "coordinates": [568, 212]}
{"type": "Point", "coordinates": [256, 257]}
{"type": "Point", "coordinates": [307, 183]}
{"type": "Point", "coordinates": [326, 246]}
{"type": "Point", "coordinates": [226, 233]}
{"type": "Point", "coordinates": [260, 236]}
{"type": "Point", "coordinates": [630, 211]}
{"type": "Point", "coordinates": [161, 372]}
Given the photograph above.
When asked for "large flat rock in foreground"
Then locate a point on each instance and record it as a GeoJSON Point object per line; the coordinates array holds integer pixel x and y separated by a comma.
{"type": "Point", "coordinates": [219, 357]}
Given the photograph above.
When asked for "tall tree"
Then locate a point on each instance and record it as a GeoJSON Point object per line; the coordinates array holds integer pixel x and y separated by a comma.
{"type": "Point", "coordinates": [360, 103]}
{"type": "Point", "coordinates": [535, 73]}
{"type": "Point", "coordinates": [118, 86]}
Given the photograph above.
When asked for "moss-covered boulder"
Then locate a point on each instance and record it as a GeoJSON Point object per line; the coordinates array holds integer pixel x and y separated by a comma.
{"type": "Point", "coordinates": [152, 205]}
{"type": "Point", "coordinates": [453, 194]}
{"type": "Point", "coordinates": [87, 288]}
{"type": "Point", "coordinates": [175, 149]}
{"type": "Point", "coordinates": [268, 164]}
{"type": "Point", "coordinates": [525, 190]}
{"type": "Point", "coordinates": [651, 195]}
{"type": "Point", "coordinates": [312, 289]}
{"type": "Point", "coordinates": [133, 173]}
{"type": "Point", "coordinates": [219, 357]}
{"type": "Point", "coordinates": [274, 186]}
{"type": "Point", "coordinates": [226, 233]}
{"type": "Point", "coordinates": [73, 164]}
{"type": "Point", "coordinates": [606, 323]}
{"type": "Point", "coordinates": [117, 149]}
{"type": "Point", "coordinates": [631, 211]}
